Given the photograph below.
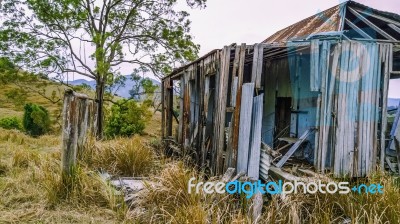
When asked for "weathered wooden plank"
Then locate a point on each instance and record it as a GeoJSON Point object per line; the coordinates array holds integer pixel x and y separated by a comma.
{"type": "Point", "coordinates": [228, 175]}
{"type": "Point", "coordinates": [69, 132]}
{"type": "Point", "coordinates": [256, 207]}
{"type": "Point", "coordinates": [376, 103]}
{"type": "Point", "coordinates": [234, 77]}
{"type": "Point", "coordinates": [236, 115]}
{"type": "Point", "coordinates": [220, 110]}
{"type": "Point", "coordinates": [205, 117]}
{"type": "Point", "coordinates": [260, 63]}
{"type": "Point", "coordinates": [386, 76]}
{"type": "Point", "coordinates": [181, 109]}
{"type": "Point", "coordinates": [83, 118]}
{"type": "Point", "coordinates": [245, 126]}
{"type": "Point", "coordinates": [314, 68]}
{"type": "Point", "coordinates": [162, 109]}
{"type": "Point", "coordinates": [255, 137]}
{"type": "Point", "coordinates": [257, 65]}
{"type": "Point", "coordinates": [234, 91]}
{"type": "Point", "coordinates": [397, 147]}
{"type": "Point", "coordinates": [302, 138]}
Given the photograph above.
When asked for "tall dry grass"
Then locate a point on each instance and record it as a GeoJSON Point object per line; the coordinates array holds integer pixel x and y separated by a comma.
{"type": "Point", "coordinates": [170, 202]}
{"type": "Point", "coordinates": [122, 156]}
{"type": "Point", "coordinates": [32, 190]}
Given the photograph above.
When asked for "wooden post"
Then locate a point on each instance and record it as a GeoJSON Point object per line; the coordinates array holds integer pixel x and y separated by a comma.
{"type": "Point", "coordinates": [75, 115]}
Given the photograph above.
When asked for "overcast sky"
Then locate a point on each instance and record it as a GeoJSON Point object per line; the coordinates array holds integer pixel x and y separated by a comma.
{"type": "Point", "coordinates": [224, 22]}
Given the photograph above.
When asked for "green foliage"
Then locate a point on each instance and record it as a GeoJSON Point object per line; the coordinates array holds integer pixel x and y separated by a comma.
{"type": "Point", "coordinates": [36, 120]}
{"type": "Point", "coordinates": [39, 34]}
{"type": "Point", "coordinates": [6, 64]}
{"type": "Point", "coordinates": [11, 123]}
{"type": "Point", "coordinates": [142, 86]}
{"type": "Point", "coordinates": [17, 96]}
{"type": "Point", "coordinates": [127, 118]}
{"type": "Point", "coordinates": [81, 87]}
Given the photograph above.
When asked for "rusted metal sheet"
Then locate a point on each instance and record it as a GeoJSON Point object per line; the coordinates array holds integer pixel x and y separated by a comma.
{"type": "Point", "coordinates": [325, 21]}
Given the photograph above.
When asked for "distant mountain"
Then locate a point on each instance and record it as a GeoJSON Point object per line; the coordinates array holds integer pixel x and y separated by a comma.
{"type": "Point", "coordinates": [393, 102]}
{"type": "Point", "coordinates": [123, 91]}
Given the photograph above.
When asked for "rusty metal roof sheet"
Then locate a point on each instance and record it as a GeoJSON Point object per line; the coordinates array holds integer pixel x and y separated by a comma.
{"type": "Point", "coordinates": [325, 21]}
{"type": "Point", "coordinates": [330, 20]}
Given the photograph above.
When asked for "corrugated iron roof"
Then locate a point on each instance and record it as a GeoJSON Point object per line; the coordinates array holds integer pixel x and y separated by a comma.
{"type": "Point", "coordinates": [325, 21]}
{"type": "Point", "coordinates": [330, 20]}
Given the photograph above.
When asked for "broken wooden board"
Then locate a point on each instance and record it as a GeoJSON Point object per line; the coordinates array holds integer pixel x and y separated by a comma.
{"type": "Point", "coordinates": [278, 174]}
{"type": "Point", "coordinates": [228, 175]}
{"type": "Point", "coordinates": [294, 147]}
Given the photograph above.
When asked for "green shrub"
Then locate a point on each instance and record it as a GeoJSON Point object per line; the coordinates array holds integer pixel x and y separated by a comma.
{"type": "Point", "coordinates": [11, 123]}
{"type": "Point", "coordinates": [127, 118]}
{"type": "Point", "coordinates": [36, 120]}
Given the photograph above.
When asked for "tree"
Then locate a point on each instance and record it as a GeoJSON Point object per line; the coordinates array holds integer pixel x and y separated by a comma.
{"type": "Point", "coordinates": [127, 118]}
{"type": "Point", "coordinates": [142, 86]}
{"type": "Point", "coordinates": [36, 120]}
{"type": "Point", "coordinates": [43, 36]}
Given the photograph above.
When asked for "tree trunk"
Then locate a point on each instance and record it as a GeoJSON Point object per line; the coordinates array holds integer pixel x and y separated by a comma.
{"type": "Point", "coordinates": [100, 104]}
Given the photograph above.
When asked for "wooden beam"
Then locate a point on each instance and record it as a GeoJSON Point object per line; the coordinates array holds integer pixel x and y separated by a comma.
{"type": "Point", "coordinates": [236, 115]}
{"type": "Point", "coordinates": [369, 13]}
{"type": "Point", "coordinates": [372, 25]}
{"type": "Point", "coordinates": [358, 29]}
{"type": "Point", "coordinates": [162, 109]}
{"type": "Point", "coordinates": [394, 27]}
{"type": "Point", "coordinates": [395, 75]}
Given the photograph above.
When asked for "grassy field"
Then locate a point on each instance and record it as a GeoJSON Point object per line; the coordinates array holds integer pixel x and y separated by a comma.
{"type": "Point", "coordinates": [31, 190]}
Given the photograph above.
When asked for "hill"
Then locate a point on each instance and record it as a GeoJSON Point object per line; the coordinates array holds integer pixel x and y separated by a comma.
{"type": "Point", "coordinates": [392, 102]}
{"type": "Point", "coordinates": [122, 91]}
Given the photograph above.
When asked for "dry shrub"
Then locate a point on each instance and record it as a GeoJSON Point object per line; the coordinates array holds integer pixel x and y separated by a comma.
{"type": "Point", "coordinates": [127, 157]}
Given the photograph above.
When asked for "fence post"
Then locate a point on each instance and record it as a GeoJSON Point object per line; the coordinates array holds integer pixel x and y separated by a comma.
{"type": "Point", "coordinates": [75, 126]}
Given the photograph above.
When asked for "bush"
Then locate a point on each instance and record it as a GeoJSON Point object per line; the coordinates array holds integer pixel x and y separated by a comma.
{"type": "Point", "coordinates": [10, 123]}
{"type": "Point", "coordinates": [36, 120]}
{"type": "Point", "coordinates": [127, 118]}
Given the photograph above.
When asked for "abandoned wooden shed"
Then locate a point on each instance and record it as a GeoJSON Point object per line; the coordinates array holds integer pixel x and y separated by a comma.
{"type": "Point", "coordinates": [321, 83]}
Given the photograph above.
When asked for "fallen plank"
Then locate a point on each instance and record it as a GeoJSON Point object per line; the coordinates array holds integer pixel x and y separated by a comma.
{"type": "Point", "coordinates": [294, 147]}
{"type": "Point", "coordinates": [228, 175]}
{"type": "Point", "coordinates": [278, 174]}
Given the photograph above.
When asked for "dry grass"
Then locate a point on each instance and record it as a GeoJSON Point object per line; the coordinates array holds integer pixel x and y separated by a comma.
{"type": "Point", "coordinates": [122, 156]}
{"type": "Point", "coordinates": [32, 190]}
{"type": "Point", "coordinates": [170, 202]}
